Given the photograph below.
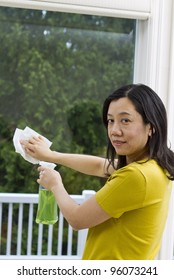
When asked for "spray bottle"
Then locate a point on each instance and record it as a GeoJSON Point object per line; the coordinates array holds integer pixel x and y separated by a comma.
{"type": "Point", "coordinates": [47, 212]}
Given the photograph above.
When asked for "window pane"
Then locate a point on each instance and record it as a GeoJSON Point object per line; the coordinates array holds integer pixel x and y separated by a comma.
{"type": "Point", "coordinates": [56, 70]}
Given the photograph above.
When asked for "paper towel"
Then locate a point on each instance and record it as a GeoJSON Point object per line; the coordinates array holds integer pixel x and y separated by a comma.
{"type": "Point", "coordinates": [26, 134]}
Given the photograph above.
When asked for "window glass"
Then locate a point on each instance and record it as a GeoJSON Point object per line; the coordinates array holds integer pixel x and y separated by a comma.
{"type": "Point", "coordinates": [56, 69]}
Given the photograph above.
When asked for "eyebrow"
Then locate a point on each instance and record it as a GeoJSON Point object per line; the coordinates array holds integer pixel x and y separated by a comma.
{"type": "Point", "coordinates": [121, 113]}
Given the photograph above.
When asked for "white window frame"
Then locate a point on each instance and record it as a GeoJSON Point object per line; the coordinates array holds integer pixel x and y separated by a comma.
{"type": "Point", "coordinates": [116, 8]}
{"type": "Point", "coordinates": [154, 55]}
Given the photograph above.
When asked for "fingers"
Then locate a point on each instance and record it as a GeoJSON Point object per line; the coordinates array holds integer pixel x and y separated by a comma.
{"type": "Point", "coordinates": [35, 139]}
{"type": "Point", "coordinates": [32, 140]}
{"type": "Point", "coordinates": [41, 168]}
{"type": "Point", "coordinates": [45, 178]}
{"type": "Point", "coordinates": [23, 142]}
{"type": "Point", "coordinates": [41, 174]}
{"type": "Point", "coordinates": [49, 178]}
{"type": "Point", "coordinates": [31, 144]}
{"type": "Point", "coordinates": [48, 172]}
{"type": "Point", "coordinates": [29, 148]}
{"type": "Point", "coordinates": [41, 138]}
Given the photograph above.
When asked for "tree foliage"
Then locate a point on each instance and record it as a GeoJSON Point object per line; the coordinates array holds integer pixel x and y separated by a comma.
{"type": "Point", "coordinates": [56, 70]}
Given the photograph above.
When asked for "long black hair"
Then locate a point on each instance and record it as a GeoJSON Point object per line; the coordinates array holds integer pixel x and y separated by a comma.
{"type": "Point", "coordinates": [149, 105]}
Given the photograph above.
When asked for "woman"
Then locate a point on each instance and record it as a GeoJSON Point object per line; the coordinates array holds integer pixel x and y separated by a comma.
{"type": "Point", "coordinates": [126, 217]}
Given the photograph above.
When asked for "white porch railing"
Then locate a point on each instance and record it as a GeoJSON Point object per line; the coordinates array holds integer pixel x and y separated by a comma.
{"type": "Point", "coordinates": [58, 241]}
{"type": "Point", "coordinates": [22, 238]}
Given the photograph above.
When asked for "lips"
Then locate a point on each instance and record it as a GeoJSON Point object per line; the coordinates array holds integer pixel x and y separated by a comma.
{"type": "Point", "coordinates": [118, 143]}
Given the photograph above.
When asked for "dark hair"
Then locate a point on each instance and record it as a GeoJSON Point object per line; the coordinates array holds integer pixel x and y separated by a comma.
{"type": "Point", "coordinates": [149, 105]}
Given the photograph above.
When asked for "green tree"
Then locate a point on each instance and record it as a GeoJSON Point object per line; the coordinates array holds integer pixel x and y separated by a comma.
{"type": "Point", "coordinates": [56, 70]}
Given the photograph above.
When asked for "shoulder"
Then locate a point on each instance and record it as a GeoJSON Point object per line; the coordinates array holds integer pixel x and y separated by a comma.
{"type": "Point", "coordinates": [131, 170]}
{"type": "Point", "coordinates": [126, 179]}
{"type": "Point", "coordinates": [125, 190]}
{"type": "Point", "coordinates": [138, 175]}
{"type": "Point", "coordinates": [140, 168]}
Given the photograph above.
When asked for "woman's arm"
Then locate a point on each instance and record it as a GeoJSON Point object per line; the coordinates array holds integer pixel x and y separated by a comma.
{"type": "Point", "coordinates": [85, 215]}
{"type": "Point", "coordinates": [87, 164]}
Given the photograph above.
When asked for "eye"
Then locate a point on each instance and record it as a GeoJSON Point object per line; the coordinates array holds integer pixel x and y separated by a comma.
{"type": "Point", "coordinates": [110, 121]}
{"type": "Point", "coordinates": [125, 120]}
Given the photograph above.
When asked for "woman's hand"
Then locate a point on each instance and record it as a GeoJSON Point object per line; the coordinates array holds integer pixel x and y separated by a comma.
{"type": "Point", "coordinates": [49, 178]}
{"type": "Point", "coordinates": [37, 148]}
{"type": "Point", "coordinates": [79, 216]}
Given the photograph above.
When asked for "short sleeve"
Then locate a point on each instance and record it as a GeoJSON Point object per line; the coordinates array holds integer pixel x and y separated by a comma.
{"type": "Point", "coordinates": [124, 191]}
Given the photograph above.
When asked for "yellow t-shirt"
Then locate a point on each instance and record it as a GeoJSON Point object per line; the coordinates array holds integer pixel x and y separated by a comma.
{"type": "Point", "coordinates": [137, 198]}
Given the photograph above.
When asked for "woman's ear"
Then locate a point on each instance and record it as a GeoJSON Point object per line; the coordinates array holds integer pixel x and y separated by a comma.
{"type": "Point", "coordinates": [151, 130]}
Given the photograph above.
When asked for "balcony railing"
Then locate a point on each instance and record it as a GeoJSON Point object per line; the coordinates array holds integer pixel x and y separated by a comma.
{"type": "Point", "coordinates": [21, 237]}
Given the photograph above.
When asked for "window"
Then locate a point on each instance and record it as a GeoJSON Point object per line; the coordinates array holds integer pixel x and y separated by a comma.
{"type": "Point", "coordinates": [56, 71]}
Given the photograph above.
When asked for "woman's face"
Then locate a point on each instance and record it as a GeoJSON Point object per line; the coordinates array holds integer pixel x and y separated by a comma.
{"type": "Point", "coordinates": [126, 130]}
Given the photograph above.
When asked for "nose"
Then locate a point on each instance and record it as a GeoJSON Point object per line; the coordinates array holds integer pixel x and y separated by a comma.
{"type": "Point", "coordinates": [115, 129]}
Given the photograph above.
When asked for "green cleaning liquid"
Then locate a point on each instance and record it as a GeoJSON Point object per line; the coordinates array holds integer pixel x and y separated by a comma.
{"type": "Point", "coordinates": [47, 207]}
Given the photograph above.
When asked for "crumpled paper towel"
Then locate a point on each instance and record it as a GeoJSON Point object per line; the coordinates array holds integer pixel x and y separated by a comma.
{"type": "Point", "coordinates": [26, 134]}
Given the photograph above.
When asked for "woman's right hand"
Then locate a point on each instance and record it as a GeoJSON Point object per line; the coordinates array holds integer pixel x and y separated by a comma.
{"type": "Point", "coordinates": [49, 179]}
{"type": "Point", "coordinates": [37, 148]}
